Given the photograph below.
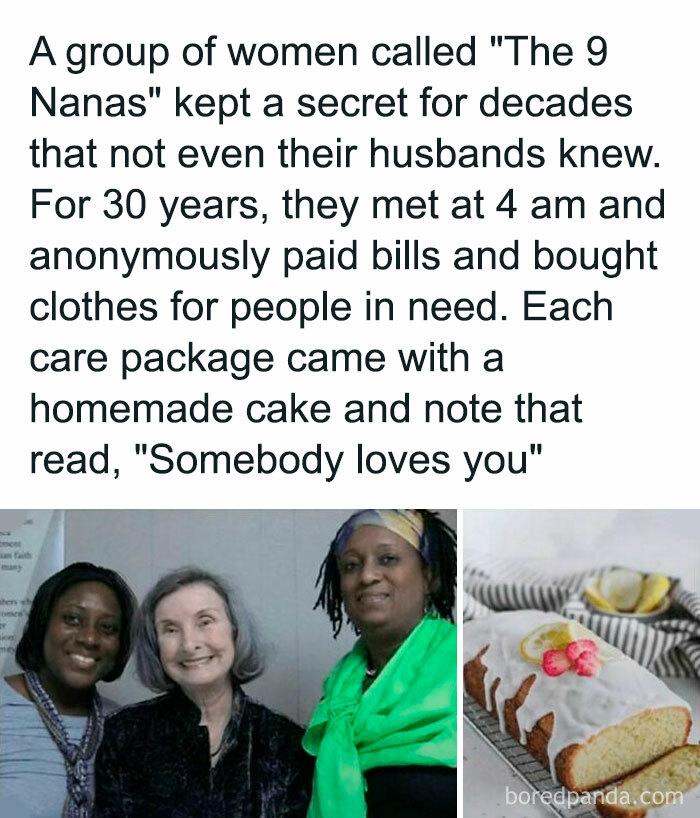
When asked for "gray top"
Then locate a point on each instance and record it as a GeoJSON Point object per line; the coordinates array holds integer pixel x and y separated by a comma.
{"type": "Point", "coordinates": [32, 772]}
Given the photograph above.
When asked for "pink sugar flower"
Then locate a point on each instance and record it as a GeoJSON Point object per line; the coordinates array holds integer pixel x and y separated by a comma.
{"type": "Point", "coordinates": [554, 662]}
{"type": "Point", "coordinates": [587, 663]}
{"type": "Point", "coordinates": [576, 648]}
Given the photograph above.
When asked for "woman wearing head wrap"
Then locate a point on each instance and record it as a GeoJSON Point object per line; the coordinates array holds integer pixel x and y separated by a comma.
{"type": "Point", "coordinates": [51, 715]}
{"type": "Point", "coordinates": [385, 733]}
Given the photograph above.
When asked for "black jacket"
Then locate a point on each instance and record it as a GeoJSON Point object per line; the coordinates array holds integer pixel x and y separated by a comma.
{"type": "Point", "coordinates": [154, 761]}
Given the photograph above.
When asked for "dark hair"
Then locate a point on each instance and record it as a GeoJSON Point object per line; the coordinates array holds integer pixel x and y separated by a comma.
{"type": "Point", "coordinates": [248, 661]}
{"type": "Point", "coordinates": [29, 653]}
{"type": "Point", "coordinates": [438, 550]}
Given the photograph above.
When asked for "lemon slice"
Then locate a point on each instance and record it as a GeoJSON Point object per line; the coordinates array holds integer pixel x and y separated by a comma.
{"type": "Point", "coordinates": [622, 588]}
{"type": "Point", "coordinates": [654, 589]}
{"type": "Point", "coordinates": [554, 635]}
{"type": "Point", "coordinates": [594, 596]}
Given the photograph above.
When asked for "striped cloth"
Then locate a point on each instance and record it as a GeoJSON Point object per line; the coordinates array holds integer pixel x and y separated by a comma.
{"type": "Point", "coordinates": [669, 646]}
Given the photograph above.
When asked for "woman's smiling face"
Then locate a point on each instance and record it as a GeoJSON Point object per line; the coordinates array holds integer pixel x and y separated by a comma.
{"type": "Point", "coordinates": [82, 637]}
{"type": "Point", "coordinates": [195, 638]}
{"type": "Point", "coordinates": [383, 580]}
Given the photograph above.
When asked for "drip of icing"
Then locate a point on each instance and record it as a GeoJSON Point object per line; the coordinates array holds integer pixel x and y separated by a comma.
{"type": "Point", "coordinates": [582, 705]}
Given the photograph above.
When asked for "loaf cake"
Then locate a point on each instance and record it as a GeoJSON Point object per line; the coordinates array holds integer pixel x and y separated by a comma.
{"type": "Point", "coordinates": [590, 718]}
{"type": "Point", "coordinates": [656, 785]}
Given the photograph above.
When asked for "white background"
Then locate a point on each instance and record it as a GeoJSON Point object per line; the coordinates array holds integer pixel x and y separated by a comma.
{"type": "Point", "coordinates": [637, 376]}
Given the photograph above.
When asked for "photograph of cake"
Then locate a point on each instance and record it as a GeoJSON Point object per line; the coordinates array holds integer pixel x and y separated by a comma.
{"type": "Point", "coordinates": [581, 663]}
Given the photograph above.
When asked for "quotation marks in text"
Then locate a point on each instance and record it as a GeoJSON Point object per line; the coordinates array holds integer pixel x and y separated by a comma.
{"type": "Point", "coordinates": [498, 462]}
{"type": "Point", "coordinates": [529, 50]}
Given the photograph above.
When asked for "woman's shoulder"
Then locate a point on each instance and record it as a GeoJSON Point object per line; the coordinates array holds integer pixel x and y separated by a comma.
{"type": "Point", "coordinates": [130, 719]}
{"type": "Point", "coordinates": [446, 631]}
{"type": "Point", "coordinates": [271, 725]}
{"type": "Point", "coordinates": [17, 713]}
{"type": "Point", "coordinates": [14, 689]}
{"type": "Point", "coordinates": [277, 742]}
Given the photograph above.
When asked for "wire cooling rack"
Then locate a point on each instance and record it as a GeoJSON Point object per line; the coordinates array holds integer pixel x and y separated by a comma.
{"type": "Point", "coordinates": [522, 763]}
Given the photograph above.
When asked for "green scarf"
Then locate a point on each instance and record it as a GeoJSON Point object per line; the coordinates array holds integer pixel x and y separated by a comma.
{"type": "Point", "coordinates": [407, 716]}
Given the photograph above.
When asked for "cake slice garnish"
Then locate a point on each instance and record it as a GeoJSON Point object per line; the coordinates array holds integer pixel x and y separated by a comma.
{"type": "Point", "coordinates": [561, 646]}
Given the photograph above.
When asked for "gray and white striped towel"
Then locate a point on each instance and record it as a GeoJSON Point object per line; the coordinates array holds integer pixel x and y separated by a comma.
{"type": "Point", "coordinates": [669, 646]}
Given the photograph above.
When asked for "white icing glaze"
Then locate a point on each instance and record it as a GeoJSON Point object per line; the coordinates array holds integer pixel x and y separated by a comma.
{"type": "Point", "coordinates": [582, 705]}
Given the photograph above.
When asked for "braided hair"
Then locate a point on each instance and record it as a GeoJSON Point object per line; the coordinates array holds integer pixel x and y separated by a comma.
{"type": "Point", "coordinates": [438, 549]}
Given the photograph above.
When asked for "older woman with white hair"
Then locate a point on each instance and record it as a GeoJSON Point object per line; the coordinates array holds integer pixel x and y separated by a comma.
{"type": "Point", "coordinates": [203, 747]}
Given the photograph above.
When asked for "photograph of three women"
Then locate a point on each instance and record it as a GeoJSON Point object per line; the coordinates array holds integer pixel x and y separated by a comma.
{"type": "Point", "coordinates": [248, 664]}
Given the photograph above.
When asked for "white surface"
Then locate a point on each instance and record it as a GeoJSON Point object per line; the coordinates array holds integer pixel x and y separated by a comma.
{"type": "Point", "coordinates": [559, 542]}
{"type": "Point", "coordinates": [637, 444]}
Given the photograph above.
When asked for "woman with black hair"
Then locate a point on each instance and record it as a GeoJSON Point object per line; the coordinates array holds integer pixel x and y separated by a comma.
{"type": "Point", "coordinates": [78, 633]}
{"type": "Point", "coordinates": [385, 733]}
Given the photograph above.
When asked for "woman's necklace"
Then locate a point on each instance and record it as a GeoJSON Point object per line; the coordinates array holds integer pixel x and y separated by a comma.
{"type": "Point", "coordinates": [218, 749]}
{"type": "Point", "coordinates": [222, 741]}
{"type": "Point", "coordinates": [224, 733]}
{"type": "Point", "coordinates": [371, 674]}
{"type": "Point", "coordinates": [77, 757]}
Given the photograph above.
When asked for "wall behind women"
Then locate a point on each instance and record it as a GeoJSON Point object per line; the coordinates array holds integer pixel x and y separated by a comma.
{"type": "Point", "coordinates": [271, 558]}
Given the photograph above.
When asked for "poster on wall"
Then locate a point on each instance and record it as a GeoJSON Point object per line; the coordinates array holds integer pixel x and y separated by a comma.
{"type": "Point", "coordinates": [31, 549]}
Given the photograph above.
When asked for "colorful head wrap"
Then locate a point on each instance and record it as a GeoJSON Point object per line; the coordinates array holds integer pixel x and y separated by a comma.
{"type": "Point", "coordinates": [421, 529]}
{"type": "Point", "coordinates": [406, 523]}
